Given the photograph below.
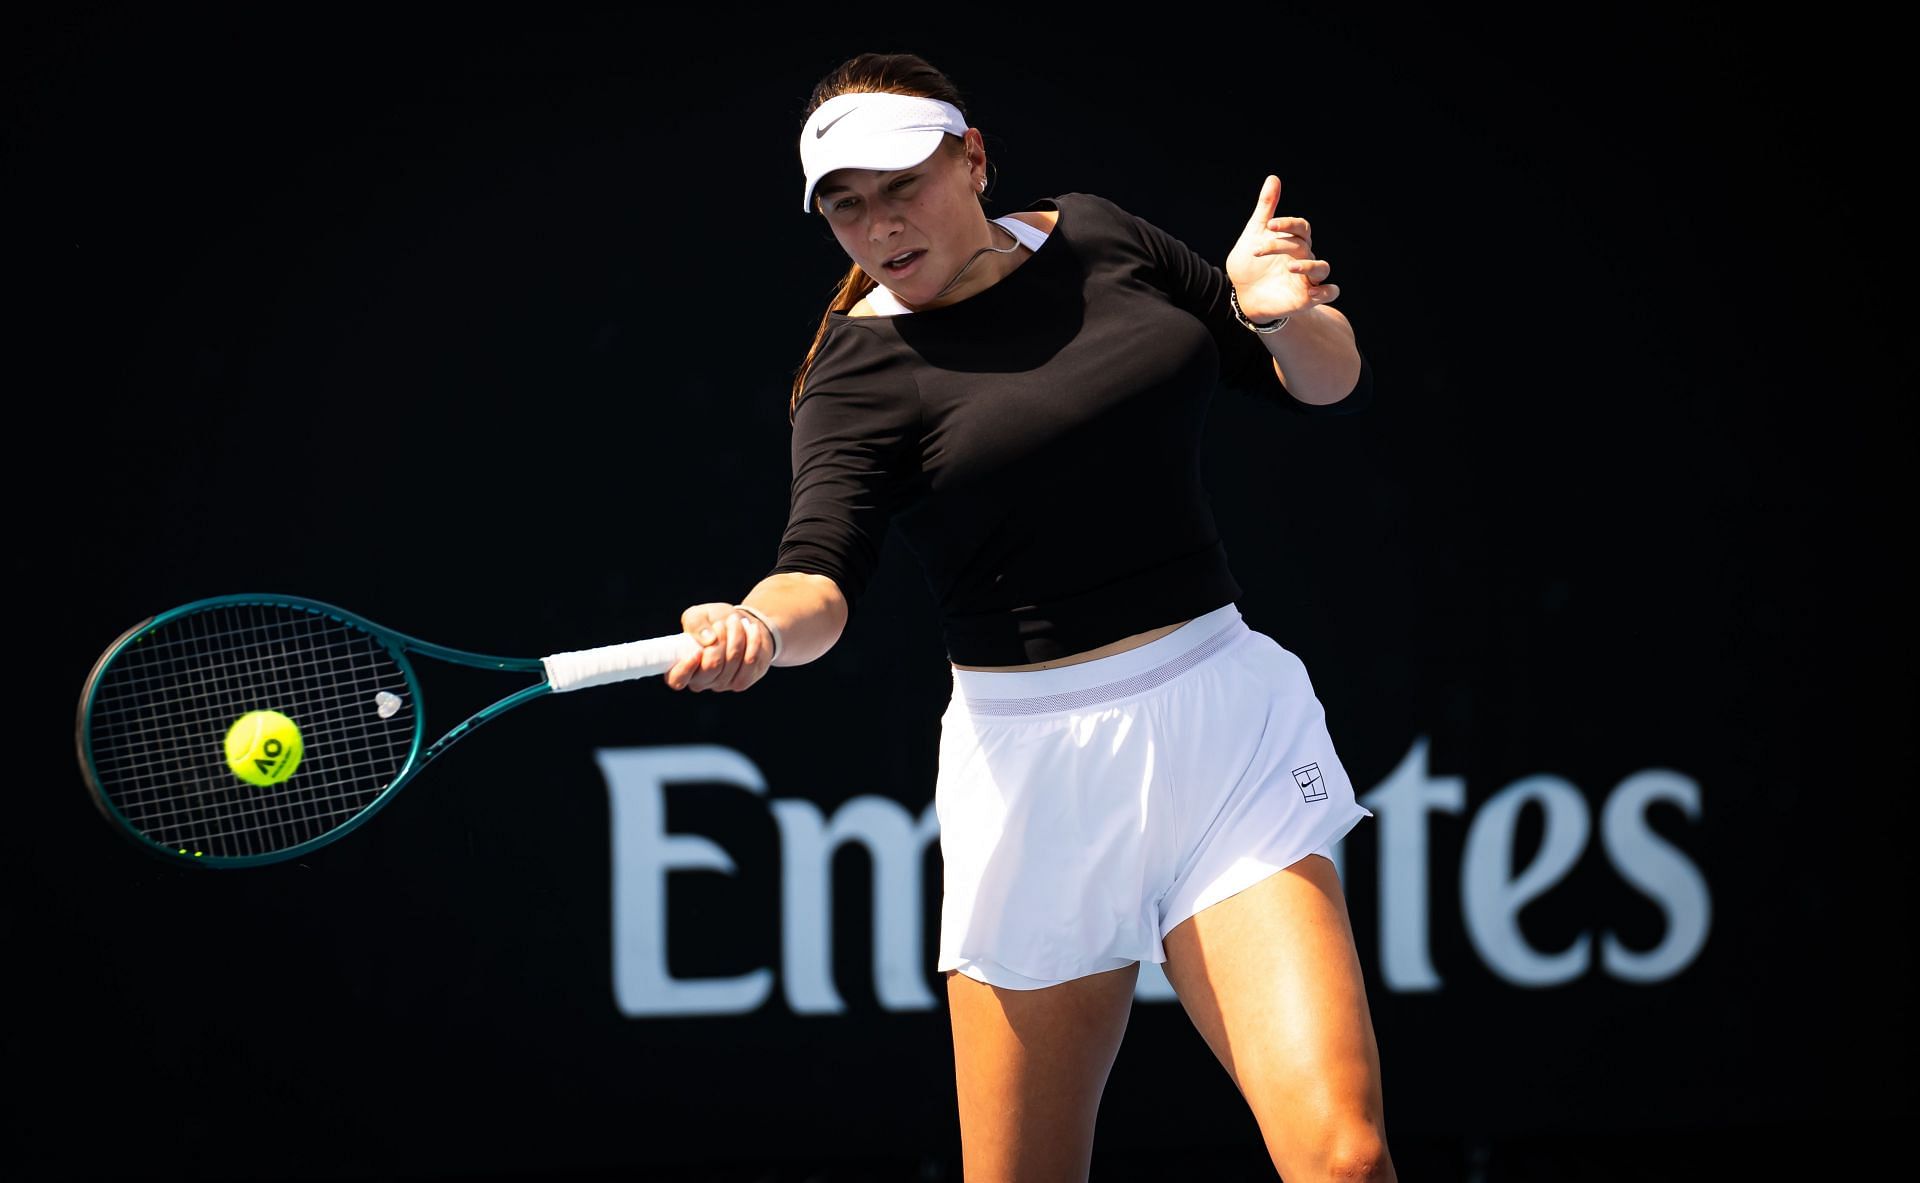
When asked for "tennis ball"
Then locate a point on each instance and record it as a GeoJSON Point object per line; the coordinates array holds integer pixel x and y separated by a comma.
{"type": "Point", "coordinates": [263, 747]}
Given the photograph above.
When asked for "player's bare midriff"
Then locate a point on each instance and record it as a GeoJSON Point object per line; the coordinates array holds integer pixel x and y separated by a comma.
{"type": "Point", "coordinates": [1106, 650]}
{"type": "Point", "coordinates": [1044, 219]}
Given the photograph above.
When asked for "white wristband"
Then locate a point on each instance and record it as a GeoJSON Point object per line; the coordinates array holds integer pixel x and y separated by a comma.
{"type": "Point", "coordinates": [771, 631]}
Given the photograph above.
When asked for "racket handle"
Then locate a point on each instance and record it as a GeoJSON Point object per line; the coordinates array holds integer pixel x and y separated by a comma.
{"type": "Point", "coordinates": [618, 663]}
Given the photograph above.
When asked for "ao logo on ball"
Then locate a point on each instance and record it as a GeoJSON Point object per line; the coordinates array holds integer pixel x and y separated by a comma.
{"type": "Point", "coordinates": [263, 747]}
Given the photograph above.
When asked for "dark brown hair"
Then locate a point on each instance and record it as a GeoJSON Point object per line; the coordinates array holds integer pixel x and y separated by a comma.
{"type": "Point", "coordinates": [897, 73]}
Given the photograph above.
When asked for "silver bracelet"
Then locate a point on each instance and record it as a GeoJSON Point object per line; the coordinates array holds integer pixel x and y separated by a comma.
{"type": "Point", "coordinates": [1272, 326]}
{"type": "Point", "coordinates": [771, 631]}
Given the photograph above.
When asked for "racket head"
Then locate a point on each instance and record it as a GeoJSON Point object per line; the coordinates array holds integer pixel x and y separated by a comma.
{"type": "Point", "coordinates": [155, 711]}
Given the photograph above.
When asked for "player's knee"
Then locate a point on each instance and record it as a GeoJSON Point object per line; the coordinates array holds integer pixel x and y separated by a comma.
{"type": "Point", "coordinates": [1343, 1153]}
{"type": "Point", "coordinates": [1359, 1153]}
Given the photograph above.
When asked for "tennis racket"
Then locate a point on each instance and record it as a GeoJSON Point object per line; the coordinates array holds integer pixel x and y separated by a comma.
{"type": "Point", "coordinates": [244, 730]}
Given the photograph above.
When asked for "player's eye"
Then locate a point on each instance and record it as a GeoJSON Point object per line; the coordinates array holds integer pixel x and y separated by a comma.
{"type": "Point", "coordinates": [846, 202]}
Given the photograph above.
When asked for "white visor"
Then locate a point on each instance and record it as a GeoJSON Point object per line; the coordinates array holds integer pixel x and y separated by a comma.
{"type": "Point", "coordinates": [873, 129]}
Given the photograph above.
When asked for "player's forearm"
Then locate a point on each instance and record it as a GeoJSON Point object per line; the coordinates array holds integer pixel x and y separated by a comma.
{"type": "Point", "coordinates": [808, 610]}
{"type": "Point", "coordinates": [1314, 356]}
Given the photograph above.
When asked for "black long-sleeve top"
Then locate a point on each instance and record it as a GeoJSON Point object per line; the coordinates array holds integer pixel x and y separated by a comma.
{"type": "Point", "coordinates": [1036, 445]}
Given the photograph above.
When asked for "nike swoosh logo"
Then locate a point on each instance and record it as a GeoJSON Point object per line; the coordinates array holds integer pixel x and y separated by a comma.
{"type": "Point", "coordinates": [822, 129]}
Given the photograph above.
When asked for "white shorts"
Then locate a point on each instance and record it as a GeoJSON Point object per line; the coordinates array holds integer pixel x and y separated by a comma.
{"type": "Point", "coordinates": [1087, 809]}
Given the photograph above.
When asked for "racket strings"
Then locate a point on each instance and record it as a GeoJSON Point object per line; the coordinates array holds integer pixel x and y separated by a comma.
{"type": "Point", "coordinates": [160, 713]}
{"type": "Point", "coordinates": [154, 690]}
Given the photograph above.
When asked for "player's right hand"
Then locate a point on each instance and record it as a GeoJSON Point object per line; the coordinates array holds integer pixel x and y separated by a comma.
{"type": "Point", "coordinates": [735, 649]}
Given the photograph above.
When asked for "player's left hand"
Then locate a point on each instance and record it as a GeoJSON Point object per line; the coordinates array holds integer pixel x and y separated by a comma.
{"type": "Point", "coordinates": [1272, 266]}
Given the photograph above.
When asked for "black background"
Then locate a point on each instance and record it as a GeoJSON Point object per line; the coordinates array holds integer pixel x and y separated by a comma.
{"type": "Point", "coordinates": [483, 326]}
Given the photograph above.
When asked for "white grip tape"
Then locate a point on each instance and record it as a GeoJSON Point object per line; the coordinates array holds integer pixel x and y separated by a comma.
{"type": "Point", "coordinates": [618, 663]}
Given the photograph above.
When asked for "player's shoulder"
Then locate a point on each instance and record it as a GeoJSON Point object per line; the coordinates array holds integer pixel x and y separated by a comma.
{"type": "Point", "coordinates": [1088, 204]}
{"type": "Point", "coordinates": [862, 369]}
{"type": "Point", "coordinates": [1095, 219]}
{"type": "Point", "coordinates": [1047, 212]}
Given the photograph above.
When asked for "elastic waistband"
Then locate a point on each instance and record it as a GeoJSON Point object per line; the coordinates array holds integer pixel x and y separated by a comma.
{"type": "Point", "coordinates": [1087, 683]}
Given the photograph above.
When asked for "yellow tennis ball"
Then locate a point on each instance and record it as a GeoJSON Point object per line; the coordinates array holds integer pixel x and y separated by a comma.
{"type": "Point", "coordinates": [263, 747]}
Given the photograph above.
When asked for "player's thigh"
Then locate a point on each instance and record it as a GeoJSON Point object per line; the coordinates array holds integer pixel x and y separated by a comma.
{"type": "Point", "coordinates": [1030, 1066]}
{"type": "Point", "coordinates": [1271, 979]}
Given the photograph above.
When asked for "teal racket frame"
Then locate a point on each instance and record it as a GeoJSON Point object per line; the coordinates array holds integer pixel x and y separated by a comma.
{"type": "Point", "coordinates": [399, 647]}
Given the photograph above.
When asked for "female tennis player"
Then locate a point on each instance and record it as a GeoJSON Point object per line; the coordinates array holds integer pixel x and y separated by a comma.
{"type": "Point", "coordinates": [1127, 771]}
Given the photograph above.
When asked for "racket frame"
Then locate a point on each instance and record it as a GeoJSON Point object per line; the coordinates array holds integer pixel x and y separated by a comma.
{"type": "Point", "coordinates": [398, 645]}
